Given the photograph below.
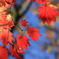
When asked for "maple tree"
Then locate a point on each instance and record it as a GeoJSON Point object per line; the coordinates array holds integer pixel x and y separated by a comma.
{"type": "Point", "coordinates": [20, 42]}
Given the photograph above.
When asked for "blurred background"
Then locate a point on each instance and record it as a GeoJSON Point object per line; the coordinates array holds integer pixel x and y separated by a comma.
{"type": "Point", "coordinates": [48, 46]}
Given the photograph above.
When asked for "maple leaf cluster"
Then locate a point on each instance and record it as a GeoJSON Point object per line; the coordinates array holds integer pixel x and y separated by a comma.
{"type": "Point", "coordinates": [47, 11]}
{"type": "Point", "coordinates": [20, 42]}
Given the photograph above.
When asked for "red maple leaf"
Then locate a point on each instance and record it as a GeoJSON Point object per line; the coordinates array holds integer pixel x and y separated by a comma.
{"type": "Point", "coordinates": [6, 36]}
{"type": "Point", "coordinates": [47, 13]}
{"type": "Point", "coordinates": [3, 53]}
{"type": "Point", "coordinates": [23, 22]}
{"type": "Point", "coordinates": [6, 23]}
{"type": "Point", "coordinates": [22, 41]}
{"type": "Point", "coordinates": [33, 33]}
{"type": "Point", "coordinates": [14, 52]}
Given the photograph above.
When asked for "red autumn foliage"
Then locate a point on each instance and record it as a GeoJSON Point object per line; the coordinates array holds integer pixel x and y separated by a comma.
{"type": "Point", "coordinates": [33, 33]}
{"type": "Point", "coordinates": [41, 1]}
{"type": "Point", "coordinates": [11, 1]}
{"type": "Point", "coordinates": [3, 2]}
{"type": "Point", "coordinates": [6, 24]}
{"type": "Point", "coordinates": [47, 13]}
{"type": "Point", "coordinates": [23, 41]}
{"type": "Point", "coordinates": [6, 37]}
{"type": "Point", "coordinates": [23, 22]}
{"type": "Point", "coordinates": [14, 51]}
{"type": "Point", "coordinates": [3, 53]}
